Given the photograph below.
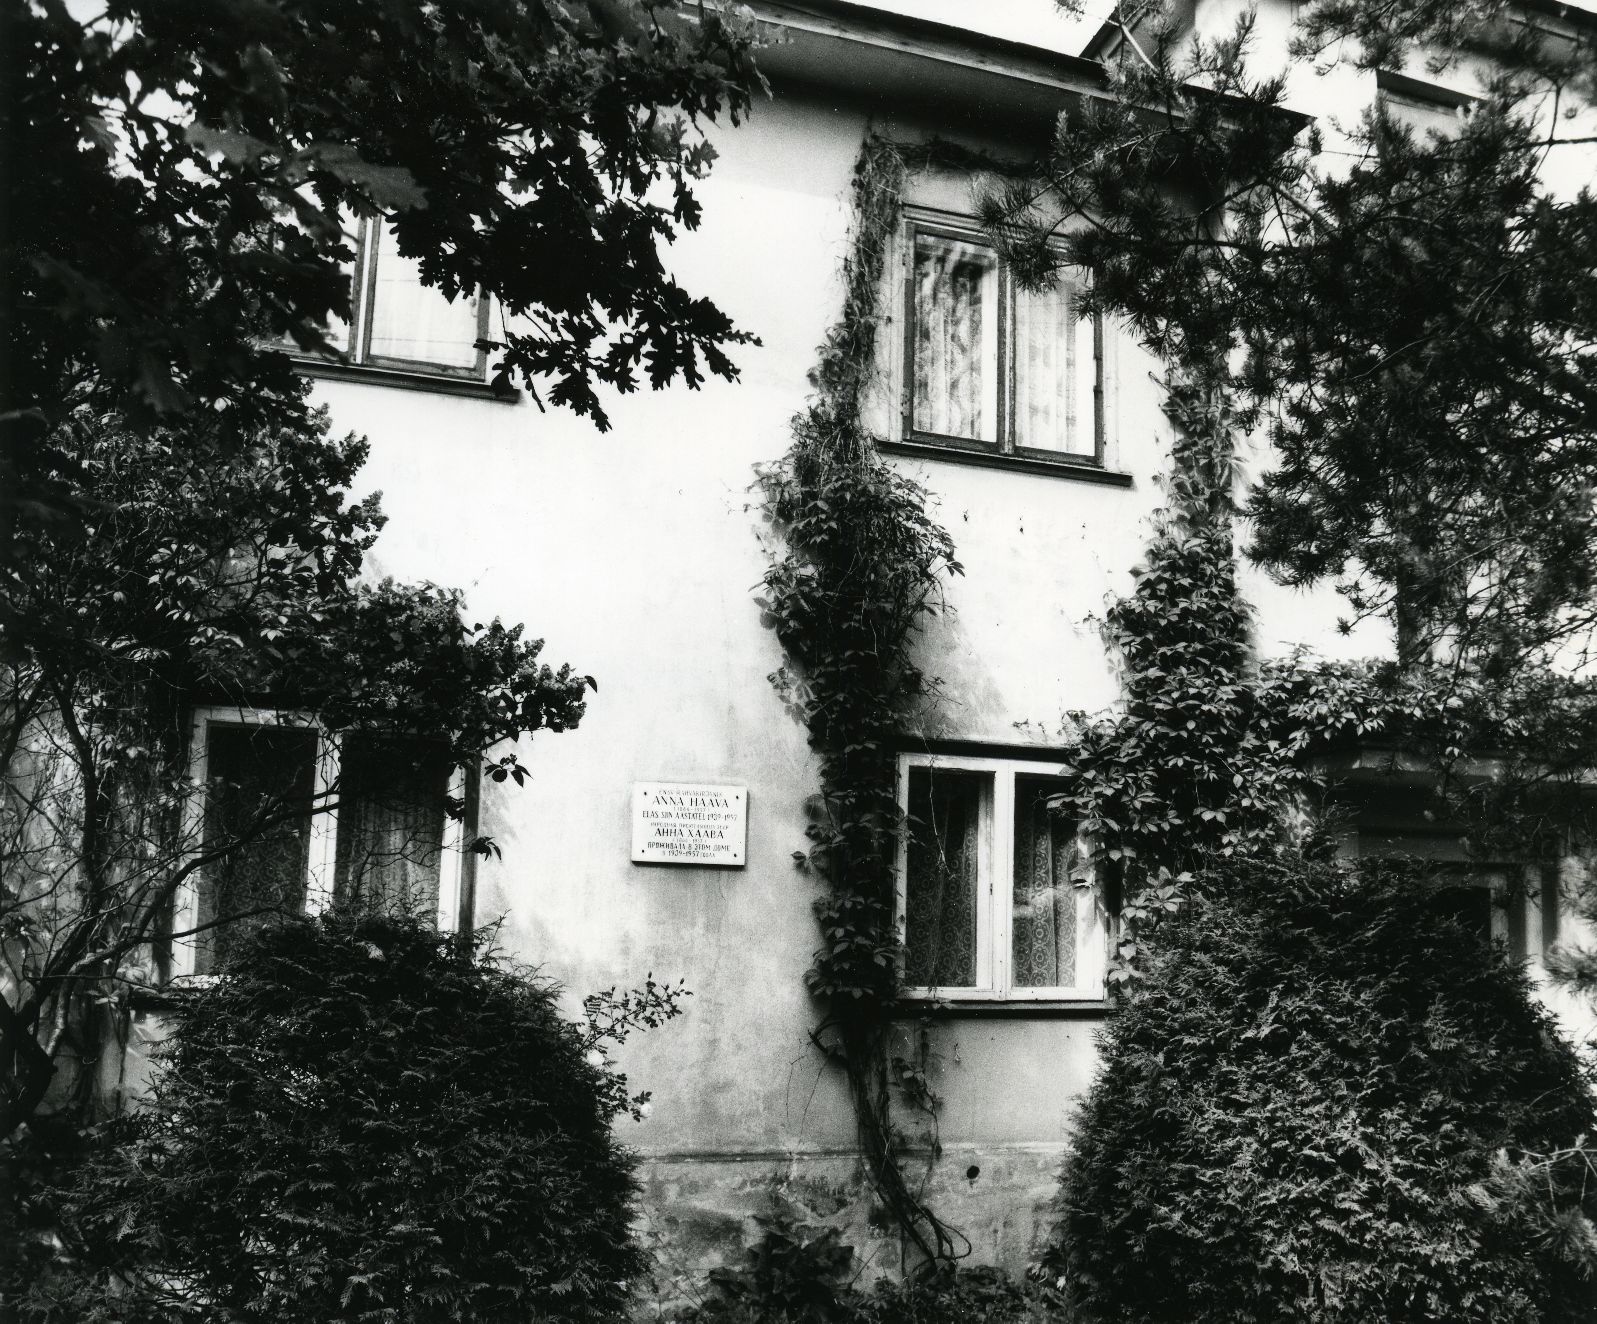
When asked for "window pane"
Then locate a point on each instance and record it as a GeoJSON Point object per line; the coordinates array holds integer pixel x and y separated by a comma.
{"type": "Point", "coordinates": [390, 828]}
{"type": "Point", "coordinates": [1470, 906]}
{"type": "Point", "coordinates": [956, 339]}
{"type": "Point", "coordinates": [411, 322]}
{"type": "Point", "coordinates": [1045, 899]}
{"type": "Point", "coordinates": [335, 329]}
{"type": "Point", "coordinates": [941, 885]}
{"type": "Point", "coordinates": [1055, 372]}
{"type": "Point", "coordinates": [260, 785]}
{"type": "Point", "coordinates": [1424, 115]}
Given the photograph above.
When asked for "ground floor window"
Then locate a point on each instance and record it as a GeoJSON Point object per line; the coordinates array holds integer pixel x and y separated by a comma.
{"type": "Point", "coordinates": [288, 818]}
{"type": "Point", "coordinates": [996, 900]}
{"type": "Point", "coordinates": [1512, 903]}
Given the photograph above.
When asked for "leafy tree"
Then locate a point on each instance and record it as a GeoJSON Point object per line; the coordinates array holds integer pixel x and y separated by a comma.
{"type": "Point", "coordinates": [363, 1121]}
{"type": "Point", "coordinates": [173, 519]}
{"type": "Point", "coordinates": [205, 569]}
{"type": "Point", "coordinates": [1327, 1100]}
{"type": "Point", "coordinates": [1412, 314]}
{"type": "Point", "coordinates": [178, 172]}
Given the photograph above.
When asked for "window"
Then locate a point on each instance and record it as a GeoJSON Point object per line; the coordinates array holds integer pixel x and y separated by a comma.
{"type": "Point", "coordinates": [991, 366]}
{"type": "Point", "coordinates": [1388, 810]}
{"type": "Point", "coordinates": [401, 323]}
{"type": "Point", "coordinates": [1425, 107]}
{"type": "Point", "coordinates": [1494, 901]}
{"type": "Point", "coordinates": [353, 820]}
{"type": "Point", "coordinates": [995, 898]}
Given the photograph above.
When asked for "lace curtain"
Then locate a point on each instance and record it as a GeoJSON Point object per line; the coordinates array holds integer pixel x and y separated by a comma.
{"type": "Point", "coordinates": [1054, 369]}
{"type": "Point", "coordinates": [1044, 898]}
{"type": "Point", "coordinates": [390, 828]}
{"type": "Point", "coordinates": [413, 322]}
{"type": "Point", "coordinates": [940, 905]}
{"type": "Point", "coordinates": [956, 288]}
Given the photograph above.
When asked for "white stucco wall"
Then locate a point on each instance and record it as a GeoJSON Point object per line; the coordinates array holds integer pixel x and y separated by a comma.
{"type": "Point", "coordinates": [636, 555]}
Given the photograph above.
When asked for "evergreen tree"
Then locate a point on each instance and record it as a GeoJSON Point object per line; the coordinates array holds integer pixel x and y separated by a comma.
{"type": "Point", "coordinates": [1412, 314]}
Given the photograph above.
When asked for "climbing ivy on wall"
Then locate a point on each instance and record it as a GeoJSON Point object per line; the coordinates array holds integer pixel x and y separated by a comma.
{"type": "Point", "coordinates": [1192, 765]}
{"type": "Point", "coordinates": [1209, 757]}
{"type": "Point", "coordinates": [860, 568]}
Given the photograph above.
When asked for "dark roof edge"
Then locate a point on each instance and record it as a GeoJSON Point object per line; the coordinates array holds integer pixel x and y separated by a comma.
{"type": "Point", "coordinates": [1575, 15]}
{"type": "Point", "coordinates": [1129, 16]}
{"type": "Point", "coordinates": [911, 36]}
{"type": "Point", "coordinates": [945, 40]}
{"type": "Point", "coordinates": [1099, 44]}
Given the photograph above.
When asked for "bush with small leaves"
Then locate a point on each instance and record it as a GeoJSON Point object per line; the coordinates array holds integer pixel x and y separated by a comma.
{"type": "Point", "coordinates": [979, 1295]}
{"type": "Point", "coordinates": [1328, 1101]}
{"type": "Point", "coordinates": [798, 1273]}
{"type": "Point", "coordinates": [364, 1120]}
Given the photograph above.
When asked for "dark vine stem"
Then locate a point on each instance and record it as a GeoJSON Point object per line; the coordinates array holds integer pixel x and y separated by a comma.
{"type": "Point", "coordinates": [861, 566]}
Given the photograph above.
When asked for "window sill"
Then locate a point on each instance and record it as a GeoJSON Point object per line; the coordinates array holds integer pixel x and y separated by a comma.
{"type": "Point", "coordinates": [437, 383]}
{"type": "Point", "coordinates": [1062, 468]}
{"type": "Point", "coordinates": [975, 1008]}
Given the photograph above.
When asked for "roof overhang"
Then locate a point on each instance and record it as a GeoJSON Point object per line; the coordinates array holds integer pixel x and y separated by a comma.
{"type": "Point", "coordinates": [899, 63]}
{"type": "Point", "coordinates": [890, 63]}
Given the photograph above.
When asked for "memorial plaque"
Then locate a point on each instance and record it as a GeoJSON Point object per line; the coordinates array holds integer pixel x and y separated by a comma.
{"type": "Point", "coordinates": [688, 823]}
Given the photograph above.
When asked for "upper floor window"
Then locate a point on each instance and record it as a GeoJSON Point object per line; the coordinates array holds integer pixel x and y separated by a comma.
{"type": "Point", "coordinates": [990, 365]}
{"type": "Point", "coordinates": [399, 323]}
{"type": "Point", "coordinates": [292, 819]}
{"type": "Point", "coordinates": [996, 901]}
{"type": "Point", "coordinates": [1425, 107]}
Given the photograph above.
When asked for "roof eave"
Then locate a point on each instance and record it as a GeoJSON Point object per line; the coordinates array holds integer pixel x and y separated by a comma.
{"type": "Point", "coordinates": [903, 62]}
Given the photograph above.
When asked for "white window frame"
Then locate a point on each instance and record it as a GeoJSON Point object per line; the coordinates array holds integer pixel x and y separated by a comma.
{"type": "Point", "coordinates": [319, 867]}
{"type": "Point", "coordinates": [995, 866]}
{"type": "Point", "coordinates": [966, 230]}
{"type": "Point", "coordinates": [363, 305]}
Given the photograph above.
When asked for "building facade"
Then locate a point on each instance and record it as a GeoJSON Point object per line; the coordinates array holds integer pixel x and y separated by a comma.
{"type": "Point", "coordinates": [637, 555]}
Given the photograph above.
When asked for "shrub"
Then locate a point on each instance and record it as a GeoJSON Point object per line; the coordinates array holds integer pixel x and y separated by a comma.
{"type": "Point", "coordinates": [361, 1121]}
{"type": "Point", "coordinates": [797, 1273]}
{"type": "Point", "coordinates": [980, 1295]}
{"type": "Point", "coordinates": [1329, 1102]}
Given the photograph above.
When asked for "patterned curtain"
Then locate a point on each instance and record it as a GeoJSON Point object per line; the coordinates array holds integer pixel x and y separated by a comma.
{"type": "Point", "coordinates": [390, 827]}
{"type": "Point", "coordinates": [955, 286]}
{"type": "Point", "coordinates": [1052, 410]}
{"type": "Point", "coordinates": [255, 774]}
{"type": "Point", "coordinates": [941, 893]}
{"type": "Point", "coordinates": [1044, 898]}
